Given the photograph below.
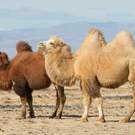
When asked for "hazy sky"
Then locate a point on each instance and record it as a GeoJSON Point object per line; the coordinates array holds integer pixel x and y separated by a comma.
{"type": "Point", "coordinates": [90, 10]}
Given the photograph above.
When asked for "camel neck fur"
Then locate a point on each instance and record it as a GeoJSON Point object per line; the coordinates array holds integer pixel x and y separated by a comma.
{"type": "Point", "coordinates": [60, 68]}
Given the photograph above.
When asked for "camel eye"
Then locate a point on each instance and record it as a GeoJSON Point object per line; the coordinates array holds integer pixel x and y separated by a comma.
{"type": "Point", "coordinates": [52, 43]}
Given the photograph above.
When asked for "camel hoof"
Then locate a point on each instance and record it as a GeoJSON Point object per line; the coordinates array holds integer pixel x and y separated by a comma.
{"type": "Point", "coordinates": [57, 117]}
{"type": "Point", "coordinates": [21, 117]}
{"type": "Point", "coordinates": [125, 120]}
{"type": "Point", "coordinates": [102, 120]}
{"type": "Point", "coordinates": [31, 116]}
{"type": "Point", "coordinates": [84, 119]}
{"type": "Point", "coordinates": [52, 116]}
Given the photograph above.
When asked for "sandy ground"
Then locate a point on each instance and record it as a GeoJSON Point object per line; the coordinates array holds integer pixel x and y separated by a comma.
{"type": "Point", "coordinates": [116, 105]}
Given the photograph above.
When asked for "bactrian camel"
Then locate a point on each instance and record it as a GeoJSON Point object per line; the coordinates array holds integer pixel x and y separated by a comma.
{"type": "Point", "coordinates": [96, 64]}
{"type": "Point", "coordinates": [25, 73]}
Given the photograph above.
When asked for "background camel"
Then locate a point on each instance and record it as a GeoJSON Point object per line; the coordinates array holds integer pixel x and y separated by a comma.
{"type": "Point", "coordinates": [95, 64]}
{"type": "Point", "coordinates": [25, 73]}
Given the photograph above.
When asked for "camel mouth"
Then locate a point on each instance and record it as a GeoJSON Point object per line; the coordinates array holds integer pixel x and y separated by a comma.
{"type": "Point", "coordinates": [45, 46]}
{"type": "Point", "coordinates": [42, 47]}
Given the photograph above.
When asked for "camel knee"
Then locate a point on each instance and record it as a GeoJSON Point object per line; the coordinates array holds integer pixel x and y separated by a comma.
{"type": "Point", "coordinates": [63, 99]}
{"type": "Point", "coordinates": [87, 100]}
{"type": "Point", "coordinates": [61, 95]}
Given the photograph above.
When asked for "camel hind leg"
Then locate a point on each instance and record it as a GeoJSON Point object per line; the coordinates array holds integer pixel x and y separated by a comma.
{"type": "Point", "coordinates": [91, 89]}
{"type": "Point", "coordinates": [54, 114]}
{"type": "Point", "coordinates": [131, 112]}
{"type": "Point", "coordinates": [99, 102]}
{"type": "Point", "coordinates": [22, 94]}
{"type": "Point", "coordinates": [87, 99]}
{"type": "Point", "coordinates": [62, 98]}
{"type": "Point", "coordinates": [131, 78]}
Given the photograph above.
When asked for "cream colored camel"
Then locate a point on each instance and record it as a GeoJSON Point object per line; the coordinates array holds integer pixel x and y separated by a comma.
{"type": "Point", "coordinates": [95, 64]}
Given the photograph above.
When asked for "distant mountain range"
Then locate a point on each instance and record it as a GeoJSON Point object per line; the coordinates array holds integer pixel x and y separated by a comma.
{"type": "Point", "coordinates": [73, 33]}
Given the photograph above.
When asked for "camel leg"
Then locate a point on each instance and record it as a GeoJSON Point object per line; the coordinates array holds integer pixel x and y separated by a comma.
{"type": "Point", "coordinates": [86, 100]}
{"type": "Point", "coordinates": [86, 103]}
{"type": "Point", "coordinates": [62, 98]}
{"type": "Point", "coordinates": [23, 108]}
{"type": "Point", "coordinates": [20, 89]}
{"type": "Point", "coordinates": [30, 103]}
{"type": "Point", "coordinates": [99, 102]}
{"type": "Point", "coordinates": [54, 114]}
{"type": "Point", "coordinates": [131, 78]}
{"type": "Point", "coordinates": [130, 114]}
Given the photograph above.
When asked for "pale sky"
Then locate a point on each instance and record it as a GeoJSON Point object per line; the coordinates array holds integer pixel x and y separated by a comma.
{"type": "Point", "coordinates": [90, 10]}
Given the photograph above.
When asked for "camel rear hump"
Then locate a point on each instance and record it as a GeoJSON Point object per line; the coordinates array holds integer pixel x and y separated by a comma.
{"type": "Point", "coordinates": [124, 38]}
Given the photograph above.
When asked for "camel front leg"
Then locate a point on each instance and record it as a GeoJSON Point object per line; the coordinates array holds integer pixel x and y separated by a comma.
{"type": "Point", "coordinates": [54, 114]}
{"type": "Point", "coordinates": [60, 102]}
{"type": "Point", "coordinates": [62, 98]}
{"type": "Point", "coordinates": [30, 103]}
{"type": "Point", "coordinates": [23, 108]}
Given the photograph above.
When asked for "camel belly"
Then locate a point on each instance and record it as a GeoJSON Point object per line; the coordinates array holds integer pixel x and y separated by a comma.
{"type": "Point", "coordinates": [114, 75]}
{"type": "Point", "coordinates": [39, 84]}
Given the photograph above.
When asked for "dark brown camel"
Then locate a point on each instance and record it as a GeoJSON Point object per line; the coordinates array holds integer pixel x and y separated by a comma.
{"type": "Point", "coordinates": [26, 73]}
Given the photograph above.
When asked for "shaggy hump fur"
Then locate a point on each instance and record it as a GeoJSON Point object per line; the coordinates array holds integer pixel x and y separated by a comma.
{"type": "Point", "coordinates": [23, 46]}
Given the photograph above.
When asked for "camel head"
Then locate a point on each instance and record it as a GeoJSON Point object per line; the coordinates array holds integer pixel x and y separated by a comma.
{"type": "Point", "coordinates": [22, 46]}
{"type": "Point", "coordinates": [5, 82]}
{"type": "Point", "coordinates": [54, 45]}
{"type": "Point", "coordinates": [4, 60]}
{"type": "Point", "coordinates": [96, 37]}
